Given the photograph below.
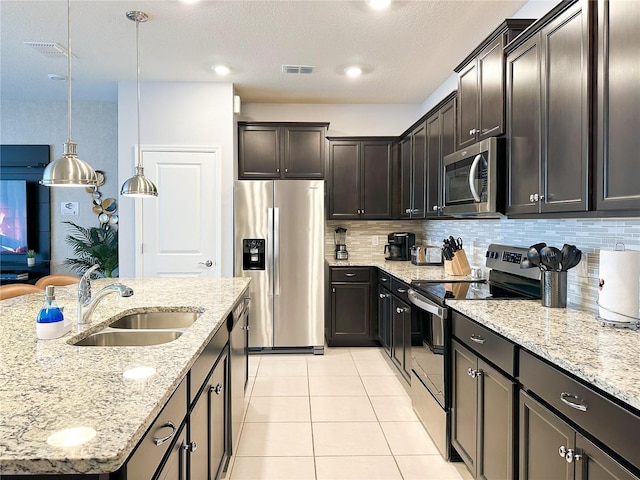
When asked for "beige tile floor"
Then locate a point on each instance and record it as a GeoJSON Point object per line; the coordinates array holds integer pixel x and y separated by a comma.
{"type": "Point", "coordinates": [340, 416]}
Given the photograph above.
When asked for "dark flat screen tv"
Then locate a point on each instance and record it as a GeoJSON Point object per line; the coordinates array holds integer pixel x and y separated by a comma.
{"type": "Point", "coordinates": [13, 216]}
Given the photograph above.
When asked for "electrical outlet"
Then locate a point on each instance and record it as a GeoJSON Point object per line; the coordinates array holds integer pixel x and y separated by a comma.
{"type": "Point", "coordinates": [583, 271]}
{"type": "Point", "coordinates": [374, 241]}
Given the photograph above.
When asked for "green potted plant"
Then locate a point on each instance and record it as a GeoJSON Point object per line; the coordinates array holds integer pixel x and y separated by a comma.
{"type": "Point", "coordinates": [31, 258]}
{"type": "Point", "coordinates": [93, 245]}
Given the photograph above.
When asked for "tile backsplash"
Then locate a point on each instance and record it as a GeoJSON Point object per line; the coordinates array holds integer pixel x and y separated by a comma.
{"type": "Point", "coordinates": [368, 238]}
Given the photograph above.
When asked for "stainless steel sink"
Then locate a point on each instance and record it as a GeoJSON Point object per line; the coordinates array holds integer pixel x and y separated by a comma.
{"type": "Point", "coordinates": [156, 320]}
{"type": "Point", "coordinates": [130, 338]}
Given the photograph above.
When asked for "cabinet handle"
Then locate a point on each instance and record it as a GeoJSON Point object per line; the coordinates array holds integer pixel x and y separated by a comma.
{"type": "Point", "coordinates": [401, 309]}
{"type": "Point", "coordinates": [384, 279]}
{"type": "Point", "coordinates": [244, 328]}
{"type": "Point", "coordinates": [566, 399]}
{"type": "Point", "coordinates": [415, 210]}
{"type": "Point", "coordinates": [190, 447]}
{"type": "Point", "coordinates": [402, 290]}
{"type": "Point", "coordinates": [477, 339]}
{"type": "Point", "coordinates": [277, 170]}
{"type": "Point", "coordinates": [160, 440]}
{"type": "Point", "coordinates": [383, 295]}
{"type": "Point", "coordinates": [183, 462]}
{"type": "Point", "coordinates": [349, 274]}
{"type": "Point", "coordinates": [531, 198]}
{"type": "Point", "coordinates": [217, 389]}
{"type": "Point", "coordinates": [362, 211]}
{"type": "Point", "coordinates": [562, 451]}
{"type": "Point", "coordinates": [473, 131]}
{"type": "Point", "coordinates": [408, 210]}
{"type": "Point", "coordinates": [286, 170]}
{"type": "Point", "coordinates": [571, 456]}
{"type": "Point", "coordinates": [474, 373]}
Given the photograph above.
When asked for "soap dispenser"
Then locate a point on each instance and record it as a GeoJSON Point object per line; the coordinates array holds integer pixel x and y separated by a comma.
{"type": "Point", "coordinates": [50, 322]}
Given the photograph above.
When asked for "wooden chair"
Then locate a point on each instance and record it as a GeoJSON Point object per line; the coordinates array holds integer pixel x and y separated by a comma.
{"type": "Point", "coordinates": [16, 289]}
{"type": "Point", "coordinates": [58, 280]}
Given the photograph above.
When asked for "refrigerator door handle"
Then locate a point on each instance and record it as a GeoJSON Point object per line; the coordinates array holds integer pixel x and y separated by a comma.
{"type": "Point", "coordinates": [276, 249]}
{"type": "Point", "coordinates": [269, 248]}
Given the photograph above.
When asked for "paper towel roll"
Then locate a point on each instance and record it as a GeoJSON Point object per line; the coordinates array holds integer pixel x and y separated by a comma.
{"type": "Point", "coordinates": [619, 285]}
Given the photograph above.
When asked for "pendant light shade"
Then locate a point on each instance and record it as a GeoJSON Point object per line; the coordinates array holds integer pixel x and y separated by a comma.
{"type": "Point", "coordinates": [69, 170]}
{"type": "Point", "coordinates": [138, 185]}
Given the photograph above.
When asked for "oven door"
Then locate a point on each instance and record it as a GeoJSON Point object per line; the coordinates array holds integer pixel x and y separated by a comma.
{"type": "Point", "coordinates": [427, 356]}
{"type": "Point", "coordinates": [470, 179]}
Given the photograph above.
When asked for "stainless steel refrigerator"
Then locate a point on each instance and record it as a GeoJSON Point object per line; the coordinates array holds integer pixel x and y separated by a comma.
{"type": "Point", "coordinates": [279, 244]}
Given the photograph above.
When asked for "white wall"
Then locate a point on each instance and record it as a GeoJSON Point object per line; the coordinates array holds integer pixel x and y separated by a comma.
{"type": "Point", "coordinates": [94, 130]}
{"type": "Point", "coordinates": [176, 114]}
{"type": "Point", "coordinates": [345, 120]}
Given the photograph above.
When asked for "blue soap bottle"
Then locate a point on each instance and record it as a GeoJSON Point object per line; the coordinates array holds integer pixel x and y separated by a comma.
{"type": "Point", "coordinates": [50, 321]}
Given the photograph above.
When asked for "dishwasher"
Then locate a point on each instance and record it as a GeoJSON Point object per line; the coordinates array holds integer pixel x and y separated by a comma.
{"type": "Point", "coordinates": [238, 326]}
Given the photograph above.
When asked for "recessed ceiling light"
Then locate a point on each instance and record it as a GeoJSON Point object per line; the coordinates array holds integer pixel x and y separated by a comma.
{"type": "Point", "coordinates": [55, 76]}
{"type": "Point", "coordinates": [189, 1]}
{"type": "Point", "coordinates": [379, 4]}
{"type": "Point", "coordinates": [353, 71]}
{"type": "Point", "coordinates": [221, 69]}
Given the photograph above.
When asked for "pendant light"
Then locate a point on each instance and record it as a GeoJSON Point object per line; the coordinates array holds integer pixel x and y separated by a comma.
{"type": "Point", "coordinates": [138, 185]}
{"type": "Point", "coordinates": [69, 170]}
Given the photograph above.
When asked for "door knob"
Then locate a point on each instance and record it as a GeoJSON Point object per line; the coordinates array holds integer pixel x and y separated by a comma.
{"type": "Point", "coordinates": [208, 263]}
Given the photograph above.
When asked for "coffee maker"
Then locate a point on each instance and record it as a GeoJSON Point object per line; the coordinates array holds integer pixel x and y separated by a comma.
{"type": "Point", "coordinates": [340, 239]}
{"type": "Point", "coordinates": [399, 245]}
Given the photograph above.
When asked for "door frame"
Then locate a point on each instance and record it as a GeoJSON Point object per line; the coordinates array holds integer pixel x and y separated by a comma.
{"type": "Point", "coordinates": [217, 208]}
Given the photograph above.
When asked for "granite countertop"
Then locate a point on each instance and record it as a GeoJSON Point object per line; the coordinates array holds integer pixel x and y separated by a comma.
{"type": "Point", "coordinates": [571, 339]}
{"type": "Point", "coordinates": [405, 271]}
{"type": "Point", "coordinates": [50, 385]}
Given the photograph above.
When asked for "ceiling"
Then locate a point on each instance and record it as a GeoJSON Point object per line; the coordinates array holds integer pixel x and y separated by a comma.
{"type": "Point", "coordinates": [405, 52]}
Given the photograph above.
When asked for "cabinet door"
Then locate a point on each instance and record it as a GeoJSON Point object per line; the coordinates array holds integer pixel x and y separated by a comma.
{"type": "Point", "coordinates": [218, 416]}
{"type": "Point", "coordinates": [376, 174]}
{"type": "Point", "coordinates": [198, 439]}
{"type": "Point", "coordinates": [344, 172]}
{"type": "Point", "coordinates": [384, 318]}
{"type": "Point", "coordinates": [595, 464]}
{"type": "Point", "coordinates": [496, 452]}
{"type": "Point", "coordinates": [565, 132]}
{"type": "Point", "coordinates": [350, 314]}
{"type": "Point", "coordinates": [405, 177]}
{"type": "Point", "coordinates": [304, 152]}
{"type": "Point", "coordinates": [259, 152]}
{"type": "Point", "coordinates": [491, 90]}
{"type": "Point", "coordinates": [434, 135]}
{"type": "Point", "coordinates": [523, 127]}
{"type": "Point", "coordinates": [464, 398]}
{"type": "Point", "coordinates": [467, 105]}
{"type": "Point", "coordinates": [618, 142]}
{"type": "Point", "coordinates": [542, 436]}
{"type": "Point", "coordinates": [175, 466]}
{"type": "Point", "coordinates": [398, 331]}
{"type": "Point", "coordinates": [419, 176]}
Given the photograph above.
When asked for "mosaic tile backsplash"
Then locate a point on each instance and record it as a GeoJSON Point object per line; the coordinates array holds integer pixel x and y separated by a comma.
{"type": "Point", "coordinates": [589, 235]}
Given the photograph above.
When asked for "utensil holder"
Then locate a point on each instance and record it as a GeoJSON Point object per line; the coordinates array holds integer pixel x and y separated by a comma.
{"type": "Point", "coordinates": [554, 289]}
{"type": "Point", "coordinates": [459, 265]}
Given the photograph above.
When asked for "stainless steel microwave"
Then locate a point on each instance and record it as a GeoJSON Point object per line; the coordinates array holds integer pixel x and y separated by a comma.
{"type": "Point", "coordinates": [473, 180]}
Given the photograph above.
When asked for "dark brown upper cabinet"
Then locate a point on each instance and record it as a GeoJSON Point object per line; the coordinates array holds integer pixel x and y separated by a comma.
{"type": "Point", "coordinates": [281, 150]}
{"type": "Point", "coordinates": [618, 81]}
{"type": "Point", "coordinates": [548, 114]}
{"type": "Point", "coordinates": [360, 178]}
{"type": "Point", "coordinates": [413, 172]}
{"type": "Point", "coordinates": [481, 86]}
{"type": "Point", "coordinates": [441, 126]}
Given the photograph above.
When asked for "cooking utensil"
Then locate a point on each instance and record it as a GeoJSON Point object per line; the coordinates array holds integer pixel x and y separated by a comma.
{"type": "Point", "coordinates": [526, 263]}
{"type": "Point", "coordinates": [551, 257]}
{"type": "Point", "coordinates": [539, 246]}
{"type": "Point", "coordinates": [533, 255]}
{"type": "Point", "coordinates": [574, 255]}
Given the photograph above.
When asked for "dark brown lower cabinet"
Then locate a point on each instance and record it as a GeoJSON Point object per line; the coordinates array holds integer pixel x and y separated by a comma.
{"type": "Point", "coordinates": [401, 336]}
{"type": "Point", "coordinates": [384, 318]}
{"type": "Point", "coordinates": [482, 416]}
{"type": "Point", "coordinates": [552, 449]}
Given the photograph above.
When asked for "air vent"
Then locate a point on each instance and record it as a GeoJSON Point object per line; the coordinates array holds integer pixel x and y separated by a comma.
{"type": "Point", "coordinates": [49, 49]}
{"type": "Point", "coordinates": [297, 69]}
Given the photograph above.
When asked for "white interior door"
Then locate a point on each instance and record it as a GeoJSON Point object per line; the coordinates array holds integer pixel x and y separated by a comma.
{"type": "Point", "coordinates": [179, 231]}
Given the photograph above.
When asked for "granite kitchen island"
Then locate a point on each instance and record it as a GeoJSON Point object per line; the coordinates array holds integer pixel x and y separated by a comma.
{"type": "Point", "coordinates": [47, 386]}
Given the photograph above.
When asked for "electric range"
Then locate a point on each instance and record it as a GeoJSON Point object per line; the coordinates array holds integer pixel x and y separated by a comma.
{"type": "Point", "coordinates": [431, 350]}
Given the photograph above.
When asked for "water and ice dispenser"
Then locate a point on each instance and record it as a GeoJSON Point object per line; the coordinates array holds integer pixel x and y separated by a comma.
{"type": "Point", "coordinates": [253, 253]}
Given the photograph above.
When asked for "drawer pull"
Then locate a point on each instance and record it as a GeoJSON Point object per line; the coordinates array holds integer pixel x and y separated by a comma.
{"type": "Point", "coordinates": [477, 339]}
{"type": "Point", "coordinates": [562, 451]}
{"type": "Point", "coordinates": [384, 279]}
{"type": "Point", "coordinates": [161, 440]}
{"type": "Point", "coordinates": [217, 389]}
{"type": "Point", "coordinates": [383, 295]}
{"type": "Point", "coordinates": [401, 309]}
{"type": "Point", "coordinates": [349, 274]}
{"type": "Point", "coordinates": [474, 373]}
{"type": "Point", "coordinates": [190, 447]}
{"type": "Point", "coordinates": [402, 290]}
{"type": "Point", "coordinates": [571, 456]}
{"type": "Point", "coordinates": [567, 397]}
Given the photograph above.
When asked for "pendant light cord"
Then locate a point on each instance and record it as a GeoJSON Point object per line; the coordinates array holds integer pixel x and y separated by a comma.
{"type": "Point", "coordinates": [69, 71]}
{"type": "Point", "coordinates": [139, 159]}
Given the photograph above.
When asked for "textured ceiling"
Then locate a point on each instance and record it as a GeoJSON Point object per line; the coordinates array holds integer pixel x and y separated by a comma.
{"type": "Point", "coordinates": [406, 51]}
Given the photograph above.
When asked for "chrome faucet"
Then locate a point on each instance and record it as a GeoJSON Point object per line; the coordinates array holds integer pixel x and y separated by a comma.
{"type": "Point", "coordinates": [87, 304]}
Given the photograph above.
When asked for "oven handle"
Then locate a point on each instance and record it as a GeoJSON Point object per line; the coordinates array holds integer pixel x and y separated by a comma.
{"type": "Point", "coordinates": [425, 304]}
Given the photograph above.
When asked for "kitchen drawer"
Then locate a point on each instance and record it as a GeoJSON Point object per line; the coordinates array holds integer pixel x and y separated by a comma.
{"type": "Point", "coordinates": [147, 456]}
{"type": "Point", "coordinates": [203, 365]}
{"type": "Point", "coordinates": [350, 274]}
{"type": "Point", "coordinates": [614, 426]}
{"type": "Point", "coordinates": [400, 289]}
{"type": "Point", "coordinates": [384, 279]}
{"type": "Point", "coordinates": [490, 345]}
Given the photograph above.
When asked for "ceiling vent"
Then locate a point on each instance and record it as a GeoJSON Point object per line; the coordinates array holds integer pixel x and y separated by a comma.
{"type": "Point", "coordinates": [297, 69]}
{"type": "Point", "coordinates": [49, 49]}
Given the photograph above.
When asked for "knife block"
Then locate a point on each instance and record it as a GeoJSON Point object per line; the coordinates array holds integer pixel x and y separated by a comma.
{"type": "Point", "coordinates": [459, 265]}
